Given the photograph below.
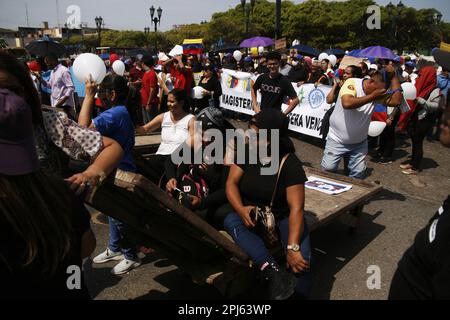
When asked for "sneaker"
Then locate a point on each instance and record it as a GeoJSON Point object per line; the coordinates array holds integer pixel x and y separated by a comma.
{"type": "Point", "coordinates": [281, 284]}
{"type": "Point", "coordinates": [125, 266]}
{"type": "Point", "coordinates": [385, 161]}
{"type": "Point", "coordinates": [405, 166]}
{"type": "Point", "coordinates": [108, 255]}
{"type": "Point", "coordinates": [410, 172]}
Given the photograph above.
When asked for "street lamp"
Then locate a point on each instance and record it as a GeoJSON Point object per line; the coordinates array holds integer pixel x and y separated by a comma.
{"type": "Point", "coordinates": [156, 21]}
{"type": "Point", "coordinates": [247, 9]}
{"type": "Point", "coordinates": [99, 23]}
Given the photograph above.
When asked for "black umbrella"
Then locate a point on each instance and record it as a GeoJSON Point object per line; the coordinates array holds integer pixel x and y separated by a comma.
{"type": "Point", "coordinates": [45, 46]}
{"type": "Point", "coordinates": [306, 50]}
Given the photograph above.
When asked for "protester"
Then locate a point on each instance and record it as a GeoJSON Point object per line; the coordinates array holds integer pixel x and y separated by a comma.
{"type": "Point", "coordinates": [422, 273]}
{"type": "Point", "coordinates": [149, 90]}
{"type": "Point", "coordinates": [349, 123]}
{"type": "Point", "coordinates": [285, 67]}
{"type": "Point", "coordinates": [420, 120]}
{"type": "Point", "coordinates": [177, 126]}
{"type": "Point", "coordinates": [116, 122]}
{"type": "Point", "coordinates": [44, 228]}
{"type": "Point", "coordinates": [262, 66]}
{"type": "Point", "coordinates": [211, 174]}
{"type": "Point", "coordinates": [299, 72]}
{"type": "Point", "coordinates": [61, 86]}
{"type": "Point", "coordinates": [317, 76]}
{"type": "Point", "coordinates": [333, 95]}
{"type": "Point", "coordinates": [247, 187]}
{"type": "Point", "coordinates": [182, 77]}
{"type": "Point", "coordinates": [54, 134]}
{"type": "Point", "coordinates": [212, 90]}
{"type": "Point", "coordinates": [274, 87]}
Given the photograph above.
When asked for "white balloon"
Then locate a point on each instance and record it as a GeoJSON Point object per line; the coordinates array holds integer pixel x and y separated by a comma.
{"type": "Point", "coordinates": [261, 50]}
{"type": "Point", "coordinates": [323, 56]}
{"type": "Point", "coordinates": [89, 64]}
{"type": "Point", "coordinates": [333, 59]}
{"type": "Point", "coordinates": [197, 92]}
{"type": "Point", "coordinates": [409, 91]}
{"type": "Point", "coordinates": [376, 128]}
{"type": "Point", "coordinates": [118, 67]}
{"type": "Point", "coordinates": [237, 55]}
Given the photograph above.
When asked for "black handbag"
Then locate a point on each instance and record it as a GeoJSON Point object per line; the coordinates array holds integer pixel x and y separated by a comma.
{"type": "Point", "coordinates": [264, 218]}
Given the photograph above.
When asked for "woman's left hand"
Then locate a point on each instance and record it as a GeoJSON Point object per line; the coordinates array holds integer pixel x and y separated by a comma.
{"type": "Point", "coordinates": [296, 261]}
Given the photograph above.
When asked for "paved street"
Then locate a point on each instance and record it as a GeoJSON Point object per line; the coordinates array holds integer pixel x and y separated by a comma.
{"type": "Point", "coordinates": [388, 226]}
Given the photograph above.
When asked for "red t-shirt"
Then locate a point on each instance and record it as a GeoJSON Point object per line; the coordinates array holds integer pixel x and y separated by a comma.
{"type": "Point", "coordinates": [183, 80]}
{"type": "Point", "coordinates": [136, 74]}
{"type": "Point", "coordinates": [149, 81]}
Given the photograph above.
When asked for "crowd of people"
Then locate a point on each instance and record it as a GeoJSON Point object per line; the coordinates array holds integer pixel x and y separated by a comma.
{"type": "Point", "coordinates": [97, 124]}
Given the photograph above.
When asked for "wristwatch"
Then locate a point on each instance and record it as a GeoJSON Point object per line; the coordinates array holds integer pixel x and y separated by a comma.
{"type": "Point", "coordinates": [294, 247]}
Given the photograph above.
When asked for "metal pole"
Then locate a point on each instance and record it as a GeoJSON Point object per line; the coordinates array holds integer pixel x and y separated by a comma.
{"type": "Point", "coordinates": [278, 20]}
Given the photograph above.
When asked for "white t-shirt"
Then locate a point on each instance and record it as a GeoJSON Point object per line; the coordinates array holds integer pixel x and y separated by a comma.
{"type": "Point", "coordinates": [350, 126]}
{"type": "Point", "coordinates": [173, 134]}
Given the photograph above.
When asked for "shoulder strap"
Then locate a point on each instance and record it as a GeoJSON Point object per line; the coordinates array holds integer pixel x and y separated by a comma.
{"type": "Point", "coordinates": [278, 178]}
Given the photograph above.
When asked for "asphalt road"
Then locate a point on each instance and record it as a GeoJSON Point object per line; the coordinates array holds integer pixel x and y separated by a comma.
{"type": "Point", "coordinates": [387, 228]}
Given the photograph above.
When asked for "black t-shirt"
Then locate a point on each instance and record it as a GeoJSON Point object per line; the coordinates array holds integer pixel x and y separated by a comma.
{"type": "Point", "coordinates": [298, 74]}
{"type": "Point", "coordinates": [424, 270]}
{"type": "Point", "coordinates": [29, 283]}
{"type": "Point", "coordinates": [257, 189]}
{"type": "Point", "coordinates": [274, 90]}
{"type": "Point", "coordinates": [262, 70]}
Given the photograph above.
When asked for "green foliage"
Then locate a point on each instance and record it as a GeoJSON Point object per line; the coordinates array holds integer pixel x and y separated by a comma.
{"type": "Point", "coordinates": [321, 24]}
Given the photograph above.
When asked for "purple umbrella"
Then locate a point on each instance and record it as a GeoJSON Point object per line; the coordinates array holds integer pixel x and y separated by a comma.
{"type": "Point", "coordinates": [257, 42]}
{"type": "Point", "coordinates": [376, 52]}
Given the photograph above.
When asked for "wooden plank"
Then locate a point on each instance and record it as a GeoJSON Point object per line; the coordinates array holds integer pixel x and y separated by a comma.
{"type": "Point", "coordinates": [142, 189]}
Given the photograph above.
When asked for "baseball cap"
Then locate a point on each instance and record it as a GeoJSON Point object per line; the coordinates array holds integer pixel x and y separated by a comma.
{"type": "Point", "coordinates": [17, 144]}
{"type": "Point", "coordinates": [442, 58]}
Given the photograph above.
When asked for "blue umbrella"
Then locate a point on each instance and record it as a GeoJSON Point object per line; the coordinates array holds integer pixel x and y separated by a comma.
{"type": "Point", "coordinates": [354, 53]}
{"type": "Point", "coordinates": [306, 50]}
{"type": "Point", "coordinates": [45, 46]}
{"type": "Point", "coordinates": [377, 52]}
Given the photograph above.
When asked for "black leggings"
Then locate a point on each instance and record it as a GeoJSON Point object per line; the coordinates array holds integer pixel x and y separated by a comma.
{"type": "Point", "coordinates": [418, 132]}
{"type": "Point", "coordinates": [153, 167]}
{"type": "Point", "coordinates": [387, 139]}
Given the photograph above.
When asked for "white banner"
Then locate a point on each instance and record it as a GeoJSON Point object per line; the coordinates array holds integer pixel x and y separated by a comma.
{"type": "Point", "coordinates": [306, 118]}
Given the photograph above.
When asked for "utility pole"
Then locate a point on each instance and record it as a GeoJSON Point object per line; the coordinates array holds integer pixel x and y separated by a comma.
{"type": "Point", "coordinates": [278, 32]}
{"type": "Point", "coordinates": [26, 12]}
{"type": "Point", "coordinates": [57, 12]}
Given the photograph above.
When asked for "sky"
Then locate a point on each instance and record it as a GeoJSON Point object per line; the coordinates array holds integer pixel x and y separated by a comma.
{"type": "Point", "coordinates": [134, 14]}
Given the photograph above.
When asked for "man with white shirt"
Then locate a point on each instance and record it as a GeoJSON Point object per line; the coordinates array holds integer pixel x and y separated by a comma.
{"type": "Point", "coordinates": [61, 85]}
{"type": "Point", "coordinates": [350, 121]}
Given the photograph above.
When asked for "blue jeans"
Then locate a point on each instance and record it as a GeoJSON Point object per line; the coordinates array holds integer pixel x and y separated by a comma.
{"type": "Point", "coordinates": [254, 246]}
{"type": "Point", "coordinates": [115, 240]}
{"type": "Point", "coordinates": [355, 153]}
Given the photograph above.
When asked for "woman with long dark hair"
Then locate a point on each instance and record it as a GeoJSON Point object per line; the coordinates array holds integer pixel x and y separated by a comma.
{"type": "Point", "coordinates": [247, 187]}
{"type": "Point", "coordinates": [177, 126]}
{"type": "Point", "coordinates": [116, 122]}
{"type": "Point", "coordinates": [212, 90]}
{"type": "Point", "coordinates": [44, 229]}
